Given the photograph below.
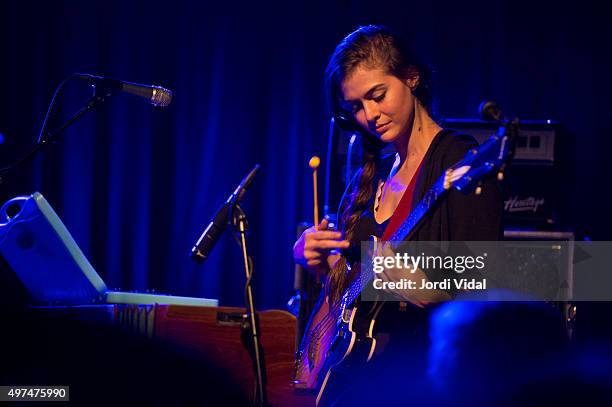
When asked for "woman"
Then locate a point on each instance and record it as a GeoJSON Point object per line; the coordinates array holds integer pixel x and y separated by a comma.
{"type": "Point", "coordinates": [377, 85]}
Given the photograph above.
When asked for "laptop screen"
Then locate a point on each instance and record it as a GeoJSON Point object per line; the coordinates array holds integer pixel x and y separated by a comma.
{"type": "Point", "coordinates": [43, 254]}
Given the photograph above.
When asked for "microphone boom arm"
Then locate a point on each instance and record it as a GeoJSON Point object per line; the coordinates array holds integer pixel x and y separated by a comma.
{"type": "Point", "coordinates": [103, 89]}
{"type": "Point", "coordinates": [49, 137]}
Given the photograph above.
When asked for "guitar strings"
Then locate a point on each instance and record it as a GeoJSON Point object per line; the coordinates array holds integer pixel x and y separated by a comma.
{"type": "Point", "coordinates": [328, 320]}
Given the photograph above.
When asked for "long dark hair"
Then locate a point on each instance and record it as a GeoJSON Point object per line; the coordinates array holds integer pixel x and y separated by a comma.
{"type": "Point", "coordinates": [370, 47]}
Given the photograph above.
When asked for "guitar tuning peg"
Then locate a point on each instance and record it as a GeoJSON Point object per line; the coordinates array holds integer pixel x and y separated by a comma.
{"type": "Point", "coordinates": [447, 179]}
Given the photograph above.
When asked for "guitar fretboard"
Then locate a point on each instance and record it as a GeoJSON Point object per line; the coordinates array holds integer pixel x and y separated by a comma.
{"type": "Point", "coordinates": [418, 212]}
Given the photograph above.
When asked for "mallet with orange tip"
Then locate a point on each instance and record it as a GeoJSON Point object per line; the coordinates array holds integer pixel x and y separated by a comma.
{"type": "Point", "coordinates": [314, 164]}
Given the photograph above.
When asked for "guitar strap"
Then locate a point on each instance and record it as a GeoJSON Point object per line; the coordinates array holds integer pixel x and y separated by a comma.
{"type": "Point", "coordinates": [403, 208]}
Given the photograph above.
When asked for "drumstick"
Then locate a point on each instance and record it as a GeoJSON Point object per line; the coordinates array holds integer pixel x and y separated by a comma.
{"type": "Point", "coordinates": [314, 164]}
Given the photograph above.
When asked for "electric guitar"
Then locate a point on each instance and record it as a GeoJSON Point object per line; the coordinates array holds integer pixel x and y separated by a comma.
{"type": "Point", "coordinates": [338, 337]}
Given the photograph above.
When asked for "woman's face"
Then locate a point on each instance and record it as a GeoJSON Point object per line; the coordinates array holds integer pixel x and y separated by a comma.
{"type": "Point", "coordinates": [381, 103]}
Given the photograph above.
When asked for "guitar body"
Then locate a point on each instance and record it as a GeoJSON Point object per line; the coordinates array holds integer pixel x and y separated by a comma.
{"type": "Point", "coordinates": [353, 347]}
{"type": "Point", "coordinates": [315, 346]}
{"type": "Point", "coordinates": [327, 358]}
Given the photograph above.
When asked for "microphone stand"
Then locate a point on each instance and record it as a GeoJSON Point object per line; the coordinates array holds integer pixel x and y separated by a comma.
{"type": "Point", "coordinates": [101, 94]}
{"type": "Point", "coordinates": [250, 325]}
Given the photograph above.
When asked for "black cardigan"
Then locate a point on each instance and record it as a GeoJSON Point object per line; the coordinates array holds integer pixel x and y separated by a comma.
{"type": "Point", "coordinates": [456, 217]}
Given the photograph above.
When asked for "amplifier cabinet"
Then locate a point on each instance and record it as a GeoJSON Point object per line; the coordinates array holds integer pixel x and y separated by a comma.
{"type": "Point", "coordinates": [537, 177]}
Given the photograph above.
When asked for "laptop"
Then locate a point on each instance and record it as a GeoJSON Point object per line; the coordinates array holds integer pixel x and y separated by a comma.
{"type": "Point", "coordinates": [40, 250]}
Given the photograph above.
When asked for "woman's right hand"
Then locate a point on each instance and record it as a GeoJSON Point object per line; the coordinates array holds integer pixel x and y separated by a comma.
{"type": "Point", "coordinates": [314, 245]}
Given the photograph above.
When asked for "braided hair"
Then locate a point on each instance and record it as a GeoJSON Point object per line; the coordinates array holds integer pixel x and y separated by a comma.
{"type": "Point", "coordinates": [369, 47]}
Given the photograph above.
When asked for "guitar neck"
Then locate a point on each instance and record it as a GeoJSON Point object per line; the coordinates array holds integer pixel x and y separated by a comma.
{"type": "Point", "coordinates": [418, 212]}
{"type": "Point", "coordinates": [476, 164]}
{"type": "Point", "coordinates": [402, 233]}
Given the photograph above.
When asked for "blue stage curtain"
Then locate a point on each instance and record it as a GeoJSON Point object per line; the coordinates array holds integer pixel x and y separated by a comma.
{"type": "Point", "coordinates": [136, 185]}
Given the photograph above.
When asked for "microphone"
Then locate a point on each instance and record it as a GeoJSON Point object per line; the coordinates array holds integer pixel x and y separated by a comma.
{"type": "Point", "coordinates": [156, 95]}
{"type": "Point", "coordinates": [205, 244]}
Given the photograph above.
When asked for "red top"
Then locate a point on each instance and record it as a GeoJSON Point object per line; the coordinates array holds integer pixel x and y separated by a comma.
{"type": "Point", "coordinates": [403, 208]}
